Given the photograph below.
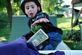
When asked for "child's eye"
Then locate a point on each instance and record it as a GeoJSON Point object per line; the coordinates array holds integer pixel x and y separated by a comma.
{"type": "Point", "coordinates": [32, 6]}
{"type": "Point", "coordinates": [27, 8]}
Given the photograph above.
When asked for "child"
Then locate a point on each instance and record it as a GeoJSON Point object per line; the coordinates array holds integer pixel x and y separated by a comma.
{"type": "Point", "coordinates": [32, 9]}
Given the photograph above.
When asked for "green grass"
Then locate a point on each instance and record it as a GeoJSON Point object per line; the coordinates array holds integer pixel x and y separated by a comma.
{"type": "Point", "coordinates": [65, 25]}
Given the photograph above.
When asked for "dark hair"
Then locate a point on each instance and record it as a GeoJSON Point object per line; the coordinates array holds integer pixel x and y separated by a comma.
{"type": "Point", "coordinates": [25, 1]}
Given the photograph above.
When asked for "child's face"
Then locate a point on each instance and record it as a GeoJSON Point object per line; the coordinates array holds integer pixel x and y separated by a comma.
{"type": "Point", "coordinates": [31, 9]}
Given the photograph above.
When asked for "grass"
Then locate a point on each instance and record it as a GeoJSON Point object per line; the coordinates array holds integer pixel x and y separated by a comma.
{"type": "Point", "coordinates": [65, 25]}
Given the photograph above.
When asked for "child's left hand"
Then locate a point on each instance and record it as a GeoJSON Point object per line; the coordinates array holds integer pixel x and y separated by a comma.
{"type": "Point", "coordinates": [40, 21]}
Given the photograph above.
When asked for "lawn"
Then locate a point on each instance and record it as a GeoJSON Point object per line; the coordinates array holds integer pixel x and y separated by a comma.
{"type": "Point", "coordinates": [65, 25]}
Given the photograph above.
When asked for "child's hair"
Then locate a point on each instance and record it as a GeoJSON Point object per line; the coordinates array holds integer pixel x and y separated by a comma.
{"type": "Point", "coordinates": [25, 1]}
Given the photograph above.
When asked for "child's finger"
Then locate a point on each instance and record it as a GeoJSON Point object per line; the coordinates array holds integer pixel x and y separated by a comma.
{"type": "Point", "coordinates": [44, 20]}
{"type": "Point", "coordinates": [35, 23]}
{"type": "Point", "coordinates": [40, 21]}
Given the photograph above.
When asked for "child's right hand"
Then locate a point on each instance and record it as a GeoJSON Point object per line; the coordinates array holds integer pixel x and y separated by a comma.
{"type": "Point", "coordinates": [40, 21]}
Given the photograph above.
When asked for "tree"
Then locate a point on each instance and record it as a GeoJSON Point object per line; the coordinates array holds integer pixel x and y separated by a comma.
{"type": "Point", "coordinates": [7, 4]}
{"type": "Point", "coordinates": [48, 5]}
{"type": "Point", "coordinates": [2, 5]}
{"type": "Point", "coordinates": [10, 7]}
{"type": "Point", "coordinates": [16, 7]}
{"type": "Point", "coordinates": [9, 11]}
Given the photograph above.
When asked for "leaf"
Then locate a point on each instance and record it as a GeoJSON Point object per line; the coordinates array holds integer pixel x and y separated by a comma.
{"type": "Point", "coordinates": [34, 29]}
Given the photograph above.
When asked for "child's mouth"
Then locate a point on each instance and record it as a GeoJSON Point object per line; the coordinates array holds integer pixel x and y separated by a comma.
{"type": "Point", "coordinates": [31, 14]}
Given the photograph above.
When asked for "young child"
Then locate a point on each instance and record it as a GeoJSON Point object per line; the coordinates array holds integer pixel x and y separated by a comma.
{"type": "Point", "coordinates": [32, 9]}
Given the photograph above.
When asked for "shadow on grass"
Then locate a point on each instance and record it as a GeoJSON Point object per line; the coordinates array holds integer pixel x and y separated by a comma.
{"type": "Point", "coordinates": [74, 45]}
{"type": "Point", "coordinates": [74, 41]}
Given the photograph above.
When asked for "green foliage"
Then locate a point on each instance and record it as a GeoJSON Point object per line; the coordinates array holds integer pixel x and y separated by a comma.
{"type": "Point", "coordinates": [2, 3]}
{"type": "Point", "coordinates": [34, 29]}
{"type": "Point", "coordinates": [48, 5]}
{"type": "Point", "coordinates": [3, 10]}
{"type": "Point", "coordinates": [16, 7]}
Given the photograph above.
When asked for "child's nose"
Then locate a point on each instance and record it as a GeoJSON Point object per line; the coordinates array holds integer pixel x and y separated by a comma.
{"type": "Point", "coordinates": [30, 9]}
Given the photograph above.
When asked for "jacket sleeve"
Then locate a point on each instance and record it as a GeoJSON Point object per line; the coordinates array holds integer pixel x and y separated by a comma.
{"type": "Point", "coordinates": [28, 35]}
{"type": "Point", "coordinates": [42, 15]}
{"type": "Point", "coordinates": [48, 27]}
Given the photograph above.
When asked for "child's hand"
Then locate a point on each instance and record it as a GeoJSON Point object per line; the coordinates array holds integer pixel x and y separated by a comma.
{"type": "Point", "coordinates": [40, 21]}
